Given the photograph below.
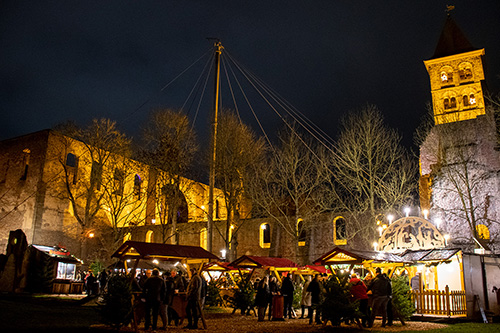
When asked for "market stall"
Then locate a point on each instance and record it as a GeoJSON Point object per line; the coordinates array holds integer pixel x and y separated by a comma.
{"type": "Point", "coordinates": [62, 268]}
{"type": "Point", "coordinates": [188, 256]}
{"type": "Point", "coordinates": [366, 260]}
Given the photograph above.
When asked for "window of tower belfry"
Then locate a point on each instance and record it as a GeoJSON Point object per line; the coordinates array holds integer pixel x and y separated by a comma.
{"type": "Point", "coordinates": [466, 100]}
{"type": "Point", "coordinates": [465, 71]}
{"type": "Point", "coordinates": [446, 75]}
{"type": "Point", "coordinates": [472, 99]}
{"type": "Point", "coordinates": [446, 103]}
{"type": "Point", "coordinates": [453, 103]}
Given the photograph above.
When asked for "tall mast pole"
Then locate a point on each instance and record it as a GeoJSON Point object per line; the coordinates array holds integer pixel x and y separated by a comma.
{"type": "Point", "coordinates": [210, 225]}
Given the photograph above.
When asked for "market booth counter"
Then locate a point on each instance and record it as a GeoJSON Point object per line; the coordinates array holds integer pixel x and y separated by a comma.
{"type": "Point", "coordinates": [62, 268]}
{"type": "Point", "coordinates": [274, 266]}
{"type": "Point", "coordinates": [188, 256]}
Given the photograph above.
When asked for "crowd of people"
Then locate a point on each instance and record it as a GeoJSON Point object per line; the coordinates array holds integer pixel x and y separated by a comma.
{"type": "Point", "coordinates": [157, 294]}
{"type": "Point", "coordinates": [373, 294]}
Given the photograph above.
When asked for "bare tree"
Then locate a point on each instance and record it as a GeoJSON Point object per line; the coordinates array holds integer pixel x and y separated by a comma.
{"type": "Point", "coordinates": [94, 148]}
{"type": "Point", "coordinates": [291, 187]}
{"type": "Point", "coordinates": [170, 146]}
{"type": "Point", "coordinates": [238, 150]}
{"type": "Point", "coordinates": [373, 173]}
{"type": "Point", "coordinates": [461, 160]}
{"type": "Point", "coordinates": [124, 200]}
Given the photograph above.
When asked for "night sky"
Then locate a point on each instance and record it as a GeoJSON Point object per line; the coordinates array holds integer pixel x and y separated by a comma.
{"type": "Point", "coordinates": [78, 60]}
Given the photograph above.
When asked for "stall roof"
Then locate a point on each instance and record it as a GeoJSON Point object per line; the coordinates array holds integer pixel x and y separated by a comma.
{"type": "Point", "coordinates": [429, 255]}
{"type": "Point", "coordinates": [218, 266]}
{"type": "Point", "coordinates": [343, 256]}
{"type": "Point", "coordinates": [318, 269]}
{"type": "Point", "coordinates": [143, 250]}
{"type": "Point", "coordinates": [58, 254]}
{"type": "Point", "coordinates": [259, 262]}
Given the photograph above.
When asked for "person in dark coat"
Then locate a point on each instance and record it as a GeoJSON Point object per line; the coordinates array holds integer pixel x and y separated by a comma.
{"type": "Point", "coordinates": [315, 289]}
{"type": "Point", "coordinates": [193, 300]}
{"type": "Point", "coordinates": [154, 290]}
{"type": "Point", "coordinates": [262, 298]}
{"type": "Point", "coordinates": [90, 282]}
{"type": "Point", "coordinates": [287, 290]}
{"type": "Point", "coordinates": [382, 291]}
{"type": "Point", "coordinates": [165, 310]}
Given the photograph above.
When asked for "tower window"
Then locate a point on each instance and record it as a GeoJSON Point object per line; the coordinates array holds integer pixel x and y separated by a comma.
{"type": "Point", "coordinates": [301, 233]}
{"type": "Point", "coordinates": [465, 71]}
{"type": "Point", "coordinates": [265, 236]}
{"type": "Point", "coordinates": [127, 237]}
{"type": "Point", "coordinates": [26, 162]}
{"type": "Point", "coordinates": [466, 100]}
{"type": "Point", "coordinates": [203, 238]}
{"type": "Point", "coordinates": [217, 209]}
{"type": "Point", "coordinates": [453, 103]}
{"type": "Point", "coordinates": [339, 231]}
{"type": "Point", "coordinates": [149, 236]}
{"type": "Point", "coordinates": [446, 77]}
{"type": "Point", "coordinates": [72, 167]}
{"type": "Point", "coordinates": [446, 103]}
{"type": "Point", "coordinates": [137, 187]}
{"type": "Point", "coordinates": [472, 99]}
{"type": "Point", "coordinates": [118, 179]}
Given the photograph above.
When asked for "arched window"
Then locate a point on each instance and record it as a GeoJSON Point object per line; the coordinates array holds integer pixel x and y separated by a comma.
{"type": "Point", "coordinates": [301, 232]}
{"type": "Point", "coordinates": [466, 100]}
{"type": "Point", "coordinates": [217, 216]}
{"type": "Point", "coordinates": [465, 71]}
{"type": "Point", "coordinates": [127, 237]}
{"type": "Point", "coordinates": [446, 75]}
{"type": "Point", "coordinates": [137, 186]}
{"type": "Point", "coordinates": [230, 236]}
{"type": "Point", "coordinates": [118, 179]}
{"type": "Point", "coordinates": [472, 99]}
{"type": "Point", "coordinates": [203, 238]}
{"type": "Point", "coordinates": [446, 103]}
{"type": "Point", "coordinates": [482, 231]}
{"type": "Point", "coordinates": [265, 236]}
{"type": "Point", "coordinates": [72, 167]}
{"type": "Point", "coordinates": [453, 103]}
{"type": "Point", "coordinates": [339, 231]}
{"type": "Point", "coordinates": [26, 163]}
{"type": "Point", "coordinates": [149, 236]}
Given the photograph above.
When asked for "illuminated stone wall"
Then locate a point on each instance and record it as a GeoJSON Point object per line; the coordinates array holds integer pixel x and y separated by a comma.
{"type": "Point", "coordinates": [33, 195]}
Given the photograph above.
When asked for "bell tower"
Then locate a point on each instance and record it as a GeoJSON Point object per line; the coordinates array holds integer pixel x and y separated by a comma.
{"type": "Point", "coordinates": [456, 74]}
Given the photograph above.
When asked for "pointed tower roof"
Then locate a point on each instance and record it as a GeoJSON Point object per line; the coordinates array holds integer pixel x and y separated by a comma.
{"type": "Point", "coordinates": [452, 40]}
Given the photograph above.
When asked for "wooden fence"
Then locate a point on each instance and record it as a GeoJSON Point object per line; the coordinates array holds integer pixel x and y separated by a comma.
{"type": "Point", "coordinates": [440, 302]}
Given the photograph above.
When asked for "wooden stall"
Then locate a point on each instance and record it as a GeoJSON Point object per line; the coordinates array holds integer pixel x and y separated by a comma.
{"type": "Point", "coordinates": [189, 256]}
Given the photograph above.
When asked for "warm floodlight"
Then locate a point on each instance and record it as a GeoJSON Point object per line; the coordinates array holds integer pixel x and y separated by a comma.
{"type": "Point", "coordinates": [407, 211]}
{"type": "Point", "coordinates": [446, 238]}
{"type": "Point", "coordinates": [438, 222]}
{"type": "Point", "coordinates": [390, 218]}
{"type": "Point", "coordinates": [426, 213]}
{"type": "Point", "coordinates": [380, 230]}
{"type": "Point", "coordinates": [375, 246]}
{"type": "Point", "coordinates": [153, 221]}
